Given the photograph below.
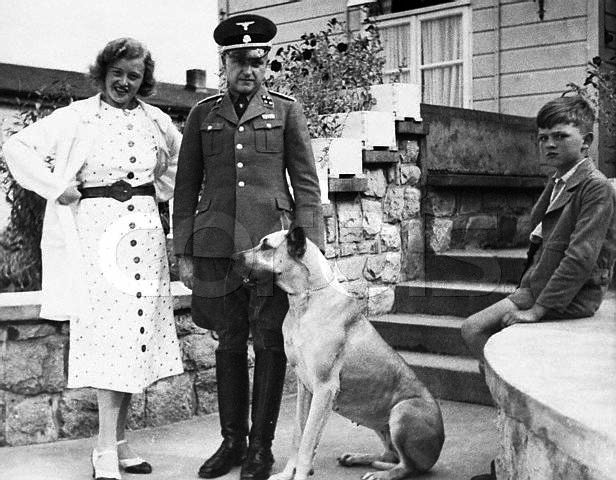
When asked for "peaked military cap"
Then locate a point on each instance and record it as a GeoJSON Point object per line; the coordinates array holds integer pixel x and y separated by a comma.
{"type": "Point", "coordinates": [245, 31]}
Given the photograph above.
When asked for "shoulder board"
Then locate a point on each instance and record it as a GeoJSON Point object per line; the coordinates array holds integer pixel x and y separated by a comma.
{"type": "Point", "coordinates": [209, 99]}
{"type": "Point", "coordinates": [282, 95]}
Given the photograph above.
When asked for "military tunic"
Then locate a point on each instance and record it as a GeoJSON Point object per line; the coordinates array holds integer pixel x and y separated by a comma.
{"type": "Point", "coordinates": [240, 166]}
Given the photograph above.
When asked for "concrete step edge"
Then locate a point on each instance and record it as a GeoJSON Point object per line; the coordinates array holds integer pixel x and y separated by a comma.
{"type": "Point", "coordinates": [516, 253]}
{"type": "Point", "coordinates": [420, 319]}
{"type": "Point", "coordinates": [452, 363]}
{"type": "Point", "coordinates": [505, 288]}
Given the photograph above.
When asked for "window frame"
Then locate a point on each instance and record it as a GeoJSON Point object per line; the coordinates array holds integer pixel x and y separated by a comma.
{"type": "Point", "coordinates": [413, 18]}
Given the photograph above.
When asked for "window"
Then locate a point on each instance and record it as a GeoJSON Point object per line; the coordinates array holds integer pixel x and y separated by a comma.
{"type": "Point", "coordinates": [431, 47]}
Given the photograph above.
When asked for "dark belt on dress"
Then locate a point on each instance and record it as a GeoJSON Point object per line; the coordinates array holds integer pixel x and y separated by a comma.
{"type": "Point", "coordinates": [120, 191]}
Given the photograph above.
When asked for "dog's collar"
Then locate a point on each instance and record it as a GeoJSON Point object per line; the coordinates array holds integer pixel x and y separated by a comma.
{"type": "Point", "coordinates": [316, 289]}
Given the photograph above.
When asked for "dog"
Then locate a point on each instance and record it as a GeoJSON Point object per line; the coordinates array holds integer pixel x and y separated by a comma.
{"type": "Point", "coordinates": [343, 365]}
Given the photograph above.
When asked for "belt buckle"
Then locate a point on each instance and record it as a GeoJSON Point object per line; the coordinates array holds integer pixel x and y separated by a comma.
{"type": "Point", "coordinates": [121, 191]}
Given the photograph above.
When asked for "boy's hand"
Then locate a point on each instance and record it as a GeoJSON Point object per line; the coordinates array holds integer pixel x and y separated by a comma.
{"type": "Point", "coordinates": [532, 315]}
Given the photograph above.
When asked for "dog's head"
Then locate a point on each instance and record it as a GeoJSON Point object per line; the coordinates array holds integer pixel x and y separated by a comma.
{"type": "Point", "coordinates": [279, 257]}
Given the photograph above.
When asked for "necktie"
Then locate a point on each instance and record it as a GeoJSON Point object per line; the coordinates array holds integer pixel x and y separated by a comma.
{"type": "Point", "coordinates": [240, 105]}
{"type": "Point", "coordinates": [559, 184]}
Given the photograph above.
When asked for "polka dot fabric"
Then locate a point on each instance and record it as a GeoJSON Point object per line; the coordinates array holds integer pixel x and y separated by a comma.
{"type": "Point", "coordinates": [128, 341]}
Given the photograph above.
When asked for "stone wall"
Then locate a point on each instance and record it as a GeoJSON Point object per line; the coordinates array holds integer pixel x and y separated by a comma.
{"type": "Point", "coordinates": [36, 407]}
{"type": "Point", "coordinates": [484, 217]}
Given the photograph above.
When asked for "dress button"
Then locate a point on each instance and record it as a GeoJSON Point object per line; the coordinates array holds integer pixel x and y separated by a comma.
{"type": "Point", "coordinates": [138, 294]}
{"type": "Point", "coordinates": [140, 312]}
{"type": "Point", "coordinates": [241, 129]}
{"type": "Point", "coordinates": [137, 276]}
{"type": "Point", "coordinates": [132, 159]}
{"type": "Point", "coordinates": [130, 175]}
{"type": "Point", "coordinates": [241, 184]}
{"type": "Point", "coordinates": [131, 225]}
{"type": "Point", "coordinates": [129, 126]}
{"type": "Point", "coordinates": [143, 348]}
{"type": "Point", "coordinates": [240, 165]}
{"type": "Point", "coordinates": [131, 208]}
{"type": "Point", "coordinates": [136, 259]}
{"type": "Point", "coordinates": [133, 243]}
{"type": "Point", "coordinates": [131, 143]}
{"type": "Point", "coordinates": [142, 330]}
{"type": "Point", "coordinates": [239, 146]}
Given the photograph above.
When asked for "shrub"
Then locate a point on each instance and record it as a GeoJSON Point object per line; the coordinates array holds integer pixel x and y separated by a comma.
{"type": "Point", "coordinates": [20, 255]}
{"type": "Point", "coordinates": [599, 89]}
{"type": "Point", "coordinates": [329, 72]}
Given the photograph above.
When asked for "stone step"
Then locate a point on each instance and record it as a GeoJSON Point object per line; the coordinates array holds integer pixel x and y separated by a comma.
{"type": "Point", "coordinates": [449, 377]}
{"type": "Point", "coordinates": [483, 266]}
{"type": "Point", "coordinates": [447, 298]}
{"type": "Point", "coordinates": [419, 332]}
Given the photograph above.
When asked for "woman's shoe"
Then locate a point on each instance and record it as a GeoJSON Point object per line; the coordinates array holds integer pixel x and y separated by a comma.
{"type": "Point", "coordinates": [134, 464]}
{"type": "Point", "coordinates": [102, 474]}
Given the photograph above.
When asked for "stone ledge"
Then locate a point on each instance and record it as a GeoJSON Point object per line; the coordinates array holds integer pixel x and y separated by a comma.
{"type": "Point", "coordinates": [556, 380]}
{"type": "Point", "coordinates": [442, 179]}
{"type": "Point", "coordinates": [21, 306]}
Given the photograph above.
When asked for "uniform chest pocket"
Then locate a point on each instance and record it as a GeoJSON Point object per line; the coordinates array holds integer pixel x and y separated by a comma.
{"type": "Point", "coordinates": [268, 136]}
{"type": "Point", "coordinates": [211, 138]}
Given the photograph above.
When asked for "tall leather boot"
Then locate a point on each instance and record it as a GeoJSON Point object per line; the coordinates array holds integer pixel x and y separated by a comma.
{"type": "Point", "coordinates": [232, 386]}
{"type": "Point", "coordinates": [270, 368]}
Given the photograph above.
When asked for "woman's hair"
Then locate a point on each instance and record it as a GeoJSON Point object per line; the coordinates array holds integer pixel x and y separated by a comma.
{"type": "Point", "coordinates": [127, 48]}
{"type": "Point", "coordinates": [572, 110]}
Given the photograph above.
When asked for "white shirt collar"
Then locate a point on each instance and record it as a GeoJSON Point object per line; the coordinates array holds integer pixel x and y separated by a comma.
{"type": "Point", "coordinates": [570, 172]}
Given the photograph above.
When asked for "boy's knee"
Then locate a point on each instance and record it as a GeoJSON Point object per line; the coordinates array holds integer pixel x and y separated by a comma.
{"type": "Point", "coordinates": [470, 330]}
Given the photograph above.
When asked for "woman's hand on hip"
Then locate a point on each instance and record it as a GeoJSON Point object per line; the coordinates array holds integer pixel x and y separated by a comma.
{"type": "Point", "coordinates": [185, 263]}
{"type": "Point", "coordinates": [70, 194]}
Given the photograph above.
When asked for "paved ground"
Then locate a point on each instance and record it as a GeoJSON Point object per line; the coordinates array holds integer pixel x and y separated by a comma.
{"type": "Point", "coordinates": [176, 451]}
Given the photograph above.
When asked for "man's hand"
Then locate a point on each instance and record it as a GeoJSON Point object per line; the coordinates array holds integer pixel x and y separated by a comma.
{"type": "Point", "coordinates": [185, 263]}
{"type": "Point", "coordinates": [532, 315]}
{"type": "Point", "coordinates": [70, 194]}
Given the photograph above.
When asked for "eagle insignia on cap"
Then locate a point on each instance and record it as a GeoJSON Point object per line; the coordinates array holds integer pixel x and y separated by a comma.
{"type": "Point", "coordinates": [244, 25]}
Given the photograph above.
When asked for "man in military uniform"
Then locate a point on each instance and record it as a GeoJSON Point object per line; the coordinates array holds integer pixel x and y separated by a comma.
{"type": "Point", "coordinates": [231, 190]}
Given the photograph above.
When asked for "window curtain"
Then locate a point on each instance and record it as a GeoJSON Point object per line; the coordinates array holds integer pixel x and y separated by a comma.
{"type": "Point", "coordinates": [441, 42]}
{"type": "Point", "coordinates": [396, 42]}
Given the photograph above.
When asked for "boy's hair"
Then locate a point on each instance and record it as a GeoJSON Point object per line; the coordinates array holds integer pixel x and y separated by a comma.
{"type": "Point", "coordinates": [572, 110]}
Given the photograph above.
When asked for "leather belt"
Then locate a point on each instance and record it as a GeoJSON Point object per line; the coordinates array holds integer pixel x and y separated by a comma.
{"type": "Point", "coordinates": [120, 191]}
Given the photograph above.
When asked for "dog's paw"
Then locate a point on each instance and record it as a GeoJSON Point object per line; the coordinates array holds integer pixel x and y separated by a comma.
{"type": "Point", "coordinates": [352, 459]}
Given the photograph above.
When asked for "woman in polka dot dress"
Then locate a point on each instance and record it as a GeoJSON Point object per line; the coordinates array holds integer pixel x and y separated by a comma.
{"type": "Point", "coordinates": [104, 259]}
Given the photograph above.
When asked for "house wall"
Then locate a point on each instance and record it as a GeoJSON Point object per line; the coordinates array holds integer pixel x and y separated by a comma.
{"type": "Point", "coordinates": [519, 61]}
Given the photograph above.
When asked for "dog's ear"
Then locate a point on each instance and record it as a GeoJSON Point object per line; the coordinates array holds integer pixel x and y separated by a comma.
{"type": "Point", "coordinates": [296, 242]}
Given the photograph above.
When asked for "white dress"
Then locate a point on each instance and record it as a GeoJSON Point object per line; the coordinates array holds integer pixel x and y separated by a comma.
{"type": "Point", "coordinates": [128, 340]}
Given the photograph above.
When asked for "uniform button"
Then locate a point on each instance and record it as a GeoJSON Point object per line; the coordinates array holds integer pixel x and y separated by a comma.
{"type": "Point", "coordinates": [143, 348]}
{"type": "Point", "coordinates": [131, 143]}
{"type": "Point", "coordinates": [130, 175]}
{"type": "Point", "coordinates": [137, 276]}
{"type": "Point", "coordinates": [138, 294]}
{"type": "Point", "coordinates": [240, 165]}
{"type": "Point", "coordinates": [209, 127]}
{"type": "Point", "coordinates": [133, 243]}
{"type": "Point", "coordinates": [131, 225]}
{"type": "Point", "coordinates": [142, 330]}
{"type": "Point", "coordinates": [140, 312]}
{"type": "Point", "coordinates": [239, 146]}
{"type": "Point", "coordinates": [241, 129]}
{"type": "Point", "coordinates": [268, 125]}
{"type": "Point", "coordinates": [241, 184]}
{"type": "Point", "coordinates": [131, 208]}
{"type": "Point", "coordinates": [132, 159]}
{"type": "Point", "coordinates": [136, 259]}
